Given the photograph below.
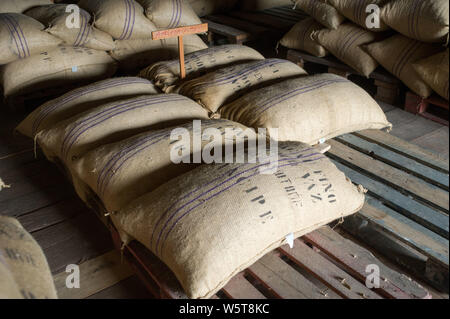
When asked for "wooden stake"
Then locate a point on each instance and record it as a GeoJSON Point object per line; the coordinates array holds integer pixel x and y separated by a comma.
{"type": "Point", "coordinates": [180, 32]}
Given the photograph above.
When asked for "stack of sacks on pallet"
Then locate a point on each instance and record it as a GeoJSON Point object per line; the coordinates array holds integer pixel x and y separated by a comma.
{"type": "Point", "coordinates": [34, 58]}
{"type": "Point", "coordinates": [423, 28]}
{"type": "Point", "coordinates": [216, 220]}
{"type": "Point", "coordinates": [308, 109]}
{"type": "Point", "coordinates": [20, 6]}
{"type": "Point", "coordinates": [131, 24]}
{"type": "Point", "coordinates": [24, 271]}
{"type": "Point", "coordinates": [166, 74]}
{"type": "Point", "coordinates": [322, 12]}
{"type": "Point", "coordinates": [227, 84]}
{"type": "Point", "coordinates": [206, 7]}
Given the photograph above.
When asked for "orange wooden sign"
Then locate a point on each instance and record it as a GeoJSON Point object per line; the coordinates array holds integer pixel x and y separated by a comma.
{"type": "Point", "coordinates": [180, 32]}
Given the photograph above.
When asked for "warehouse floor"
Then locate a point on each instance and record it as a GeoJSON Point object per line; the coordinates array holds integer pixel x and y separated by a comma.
{"type": "Point", "coordinates": [68, 233]}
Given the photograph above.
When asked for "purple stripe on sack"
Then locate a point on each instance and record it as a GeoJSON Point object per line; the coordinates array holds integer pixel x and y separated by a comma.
{"type": "Point", "coordinates": [11, 32]}
{"type": "Point", "coordinates": [411, 18]}
{"type": "Point", "coordinates": [403, 53]}
{"type": "Point", "coordinates": [226, 175]}
{"type": "Point", "coordinates": [180, 13]}
{"type": "Point", "coordinates": [361, 10]}
{"type": "Point", "coordinates": [408, 58]}
{"type": "Point", "coordinates": [173, 16]}
{"type": "Point", "coordinates": [74, 136]}
{"type": "Point", "coordinates": [133, 20]}
{"type": "Point", "coordinates": [126, 22]}
{"type": "Point", "coordinates": [356, 38]}
{"type": "Point", "coordinates": [79, 93]}
{"type": "Point", "coordinates": [16, 35]}
{"type": "Point", "coordinates": [82, 31]}
{"type": "Point", "coordinates": [86, 32]}
{"type": "Point", "coordinates": [195, 55]}
{"type": "Point", "coordinates": [103, 113]}
{"type": "Point", "coordinates": [203, 201]}
{"type": "Point", "coordinates": [350, 40]}
{"type": "Point", "coordinates": [107, 174]}
{"type": "Point", "coordinates": [22, 36]}
{"type": "Point", "coordinates": [345, 40]}
{"type": "Point", "coordinates": [79, 33]}
{"type": "Point", "coordinates": [299, 91]}
{"type": "Point", "coordinates": [243, 73]}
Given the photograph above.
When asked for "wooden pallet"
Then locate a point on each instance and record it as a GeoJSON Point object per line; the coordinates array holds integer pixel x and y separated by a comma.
{"type": "Point", "coordinates": [239, 27]}
{"type": "Point", "coordinates": [405, 220]}
{"type": "Point", "coordinates": [420, 106]}
{"type": "Point", "coordinates": [388, 87]}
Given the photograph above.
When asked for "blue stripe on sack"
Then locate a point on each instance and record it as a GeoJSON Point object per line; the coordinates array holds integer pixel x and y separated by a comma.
{"type": "Point", "coordinates": [133, 20]}
{"type": "Point", "coordinates": [180, 12]}
{"type": "Point", "coordinates": [81, 31]}
{"type": "Point", "coordinates": [73, 136]}
{"type": "Point", "coordinates": [356, 38]}
{"type": "Point", "coordinates": [293, 162]}
{"type": "Point", "coordinates": [173, 16]}
{"type": "Point", "coordinates": [81, 92]}
{"type": "Point", "coordinates": [228, 173]}
{"type": "Point", "coordinates": [86, 33]}
{"type": "Point", "coordinates": [22, 36]}
{"type": "Point", "coordinates": [298, 91]}
{"type": "Point", "coordinates": [11, 32]}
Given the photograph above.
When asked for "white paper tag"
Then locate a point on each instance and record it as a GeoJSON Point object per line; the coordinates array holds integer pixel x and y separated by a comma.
{"type": "Point", "coordinates": [322, 140]}
{"type": "Point", "coordinates": [74, 69]}
{"type": "Point", "coordinates": [290, 240]}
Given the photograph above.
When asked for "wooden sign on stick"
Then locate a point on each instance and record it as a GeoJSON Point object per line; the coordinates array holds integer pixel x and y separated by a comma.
{"type": "Point", "coordinates": [180, 32]}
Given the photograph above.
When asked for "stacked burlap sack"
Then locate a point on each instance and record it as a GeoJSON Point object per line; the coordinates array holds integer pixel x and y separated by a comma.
{"type": "Point", "coordinates": [131, 24]}
{"type": "Point", "coordinates": [416, 55]}
{"type": "Point", "coordinates": [40, 49]}
{"type": "Point", "coordinates": [24, 271]}
{"type": "Point", "coordinates": [117, 140]}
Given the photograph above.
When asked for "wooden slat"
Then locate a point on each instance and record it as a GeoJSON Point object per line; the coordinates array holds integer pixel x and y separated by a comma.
{"type": "Point", "coordinates": [233, 34]}
{"type": "Point", "coordinates": [95, 275]}
{"type": "Point", "coordinates": [397, 160]}
{"type": "Point", "coordinates": [424, 215]}
{"type": "Point", "coordinates": [129, 288]}
{"type": "Point", "coordinates": [407, 149]}
{"type": "Point", "coordinates": [240, 288]}
{"type": "Point", "coordinates": [284, 281]}
{"type": "Point", "coordinates": [397, 178]}
{"type": "Point", "coordinates": [331, 275]}
{"type": "Point", "coordinates": [418, 237]}
{"type": "Point", "coordinates": [355, 259]}
{"type": "Point", "coordinates": [240, 24]}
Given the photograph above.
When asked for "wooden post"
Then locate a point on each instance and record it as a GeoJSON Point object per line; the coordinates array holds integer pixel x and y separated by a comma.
{"type": "Point", "coordinates": [180, 32]}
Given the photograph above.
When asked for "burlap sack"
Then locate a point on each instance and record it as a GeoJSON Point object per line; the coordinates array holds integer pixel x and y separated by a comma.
{"type": "Point", "coordinates": [225, 85]}
{"type": "Point", "coordinates": [55, 18]}
{"type": "Point", "coordinates": [308, 109]}
{"type": "Point", "coordinates": [423, 20]}
{"type": "Point", "coordinates": [22, 36]}
{"type": "Point", "coordinates": [137, 54]}
{"type": "Point", "coordinates": [167, 73]}
{"type": "Point", "coordinates": [8, 287]}
{"type": "Point", "coordinates": [206, 7]}
{"type": "Point", "coordinates": [57, 67]}
{"type": "Point", "coordinates": [81, 100]}
{"type": "Point", "coordinates": [434, 72]}
{"type": "Point", "coordinates": [256, 5]}
{"type": "Point", "coordinates": [397, 55]}
{"type": "Point", "coordinates": [20, 6]}
{"type": "Point", "coordinates": [25, 261]}
{"type": "Point", "coordinates": [115, 121]}
{"type": "Point", "coordinates": [121, 172]}
{"type": "Point", "coordinates": [345, 44]}
{"type": "Point", "coordinates": [355, 10]}
{"type": "Point", "coordinates": [123, 19]}
{"type": "Point", "coordinates": [216, 220]}
{"type": "Point", "coordinates": [168, 14]}
{"type": "Point", "coordinates": [324, 13]}
{"type": "Point", "coordinates": [300, 38]}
